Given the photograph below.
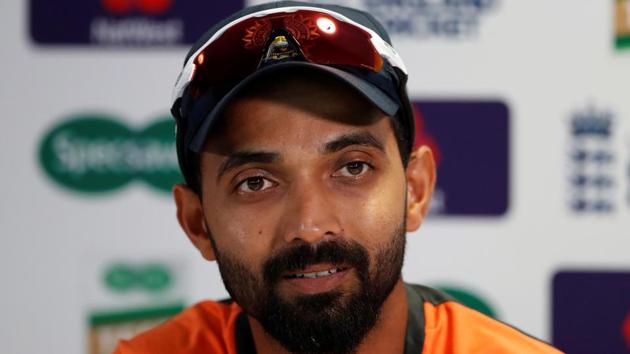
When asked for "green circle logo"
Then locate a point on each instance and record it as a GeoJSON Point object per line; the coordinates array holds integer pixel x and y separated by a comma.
{"type": "Point", "coordinates": [98, 153]}
{"type": "Point", "coordinates": [152, 278]}
{"type": "Point", "coordinates": [120, 278]}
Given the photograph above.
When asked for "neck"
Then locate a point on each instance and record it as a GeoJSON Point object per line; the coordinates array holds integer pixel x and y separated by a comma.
{"type": "Point", "coordinates": [387, 335]}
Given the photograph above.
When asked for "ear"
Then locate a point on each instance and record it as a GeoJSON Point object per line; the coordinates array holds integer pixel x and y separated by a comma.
{"type": "Point", "coordinates": [191, 219]}
{"type": "Point", "coordinates": [420, 184]}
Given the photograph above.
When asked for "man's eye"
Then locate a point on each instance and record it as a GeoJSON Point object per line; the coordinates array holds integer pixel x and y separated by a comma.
{"type": "Point", "coordinates": [254, 184]}
{"type": "Point", "coordinates": [354, 169]}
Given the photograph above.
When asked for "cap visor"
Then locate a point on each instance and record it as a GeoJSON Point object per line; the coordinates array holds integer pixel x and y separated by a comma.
{"type": "Point", "coordinates": [363, 87]}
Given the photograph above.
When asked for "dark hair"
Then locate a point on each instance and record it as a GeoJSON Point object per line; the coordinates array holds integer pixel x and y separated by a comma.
{"type": "Point", "coordinates": [402, 138]}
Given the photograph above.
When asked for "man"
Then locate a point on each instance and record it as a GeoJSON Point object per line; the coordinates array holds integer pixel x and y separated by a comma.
{"type": "Point", "coordinates": [294, 134]}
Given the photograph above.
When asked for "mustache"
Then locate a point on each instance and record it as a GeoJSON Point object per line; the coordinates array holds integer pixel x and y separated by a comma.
{"type": "Point", "coordinates": [303, 255]}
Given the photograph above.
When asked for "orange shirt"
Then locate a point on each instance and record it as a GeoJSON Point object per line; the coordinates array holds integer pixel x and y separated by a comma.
{"type": "Point", "coordinates": [436, 325]}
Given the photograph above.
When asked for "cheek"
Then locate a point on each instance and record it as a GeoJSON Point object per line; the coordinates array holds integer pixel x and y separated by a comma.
{"type": "Point", "coordinates": [243, 235]}
{"type": "Point", "coordinates": [379, 215]}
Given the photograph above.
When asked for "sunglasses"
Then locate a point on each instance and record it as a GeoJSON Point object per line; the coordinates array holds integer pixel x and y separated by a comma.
{"type": "Point", "coordinates": [311, 34]}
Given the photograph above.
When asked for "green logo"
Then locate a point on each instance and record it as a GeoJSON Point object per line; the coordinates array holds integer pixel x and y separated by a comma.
{"type": "Point", "coordinates": [97, 153]}
{"type": "Point", "coordinates": [468, 298]}
{"type": "Point", "coordinates": [152, 278]}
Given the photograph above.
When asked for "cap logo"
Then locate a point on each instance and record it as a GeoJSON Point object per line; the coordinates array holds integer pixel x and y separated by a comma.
{"type": "Point", "coordinates": [280, 49]}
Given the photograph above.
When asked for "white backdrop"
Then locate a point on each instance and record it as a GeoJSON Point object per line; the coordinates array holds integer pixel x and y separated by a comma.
{"type": "Point", "coordinates": [545, 59]}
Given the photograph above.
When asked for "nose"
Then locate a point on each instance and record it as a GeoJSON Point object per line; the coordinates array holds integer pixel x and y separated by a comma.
{"type": "Point", "coordinates": [311, 216]}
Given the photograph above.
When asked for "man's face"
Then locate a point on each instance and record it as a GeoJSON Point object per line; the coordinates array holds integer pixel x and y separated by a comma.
{"type": "Point", "coordinates": [304, 199]}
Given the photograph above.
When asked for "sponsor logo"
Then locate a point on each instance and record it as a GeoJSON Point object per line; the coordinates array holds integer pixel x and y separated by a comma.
{"type": "Point", "coordinates": [470, 299]}
{"type": "Point", "coordinates": [452, 19]}
{"type": "Point", "coordinates": [431, 18]}
{"type": "Point", "coordinates": [125, 22]}
{"type": "Point", "coordinates": [154, 7]}
{"type": "Point", "coordinates": [134, 298]}
{"type": "Point", "coordinates": [107, 328]}
{"type": "Point", "coordinates": [591, 161]}
{"type": "Point", "coordinates": [125, 277]}
{"type": "Point", "coordinates": [622, 24]}
{"type": "Point", "coordinates": [591, 312]}
{"type": "Point", "coordinates": [98, 153]}
{"type": "Point", "coordinates": [465, 135]}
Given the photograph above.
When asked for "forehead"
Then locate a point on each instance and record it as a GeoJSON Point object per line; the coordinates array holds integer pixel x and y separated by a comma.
{"type": "Point", "coordinates": [277, 106]}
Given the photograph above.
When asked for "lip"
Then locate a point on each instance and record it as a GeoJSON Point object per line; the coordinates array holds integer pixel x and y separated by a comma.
{"type": "Point", "coordinates": [311, 286]}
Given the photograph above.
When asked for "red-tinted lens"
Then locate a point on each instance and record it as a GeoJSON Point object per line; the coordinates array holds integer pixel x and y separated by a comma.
{"type": "Point", "coordinates": [322, 38]}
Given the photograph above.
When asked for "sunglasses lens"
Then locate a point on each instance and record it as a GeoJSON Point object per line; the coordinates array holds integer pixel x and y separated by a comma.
{"type": "Point", "coordinates": [321, 39]}
{"type": "Point", "coordinates": [342, 43]}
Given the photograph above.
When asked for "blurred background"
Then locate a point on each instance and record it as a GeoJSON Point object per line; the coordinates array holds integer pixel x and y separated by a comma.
{"type": "Point", "coordinates": [526, 103]}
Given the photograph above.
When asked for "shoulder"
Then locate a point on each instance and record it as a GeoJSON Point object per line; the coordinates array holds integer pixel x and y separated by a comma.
{"type": "Point", "coordinates": [207, 327]}
{"type": "Point", "coordinates": [451, 327]}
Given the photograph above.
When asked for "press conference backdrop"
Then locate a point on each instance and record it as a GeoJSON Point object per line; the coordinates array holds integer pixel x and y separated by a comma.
{"type": "Point", "coordinates": [526, 104]}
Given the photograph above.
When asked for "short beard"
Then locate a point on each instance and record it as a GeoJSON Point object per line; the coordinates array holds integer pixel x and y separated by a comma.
{"type": "Point", "coordinates": [331, 322]}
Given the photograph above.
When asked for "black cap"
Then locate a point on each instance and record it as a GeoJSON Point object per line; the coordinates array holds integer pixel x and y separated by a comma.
{"type": "Point", "coordinates": [195, 117]}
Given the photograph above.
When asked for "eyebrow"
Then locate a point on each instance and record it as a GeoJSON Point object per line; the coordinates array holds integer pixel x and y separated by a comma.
{"type": "Point", "coordinates": [241, 158]}
{"type": "Point", "coordinates": [343, 141]}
